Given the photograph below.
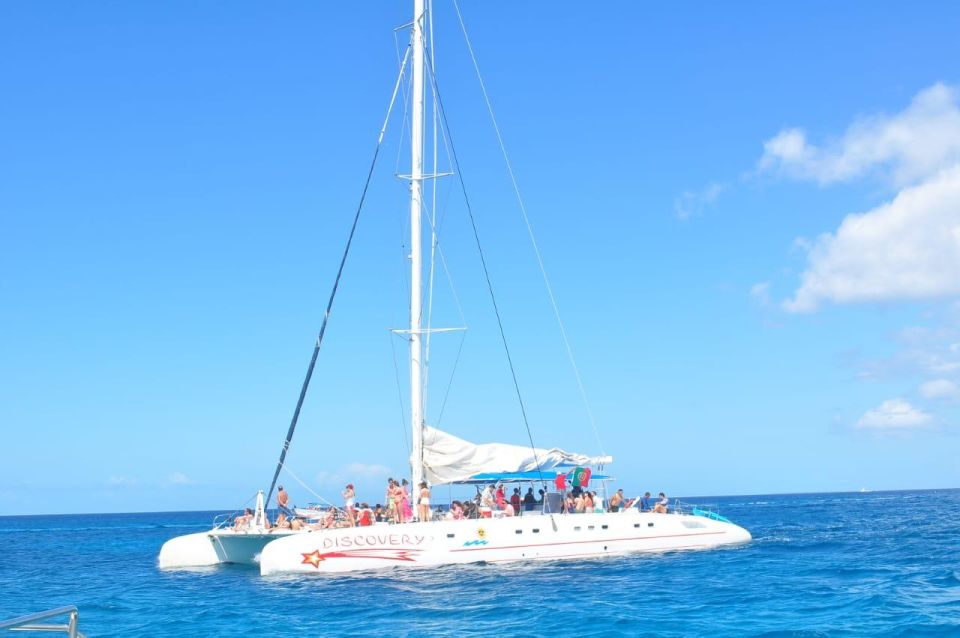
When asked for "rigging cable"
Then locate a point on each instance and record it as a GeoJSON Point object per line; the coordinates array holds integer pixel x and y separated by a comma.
{"type": "Point", "coordinates": [483, 262]}
{"type": "Point", "coordinates": [526, 219]}
{"type": "Point", "coordinates": [336, 282]}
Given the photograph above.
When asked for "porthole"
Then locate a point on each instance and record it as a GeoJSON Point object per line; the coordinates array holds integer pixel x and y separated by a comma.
{"type": "Point", "coordinates": [649, 524]}
{"type": "Point", "coordinates": [519, 531]}
{"type": "Point", "coordinates": [450, 535]}
{"type": "Point", "coordinates": [590, 527]}
{"type": "Point", "coordinates": [603, 527]}
{"type": "Point", "coordinates": [576, 528]}
{"type": "Point", "coordinates": [636, 524]}
{"type": "Point", "coordinates": [536, 530]}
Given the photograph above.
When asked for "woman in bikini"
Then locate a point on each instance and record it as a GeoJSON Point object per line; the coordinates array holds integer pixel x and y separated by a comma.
{"type": "Point", "coordinates": [423, 504]}
{"type": "Point", "coordinates": [348, 496]}
{"type": "Point", "coordinates": [405, 502]}
{"type": "Point", "coordinates": [396, 497]}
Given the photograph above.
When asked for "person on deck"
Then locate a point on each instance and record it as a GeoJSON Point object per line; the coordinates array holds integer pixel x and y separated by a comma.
{"type": "Point", "coordinates": [560, 482]}
{"type": "Point", "coordinates": [662, 505]}
{"type": "Point", "coordinates": [378, 514]}
{"type": "Point", "coordinates": [348, 497]}
{"type": "Point", "coordinates": [282, 522]}
{"type": "Point", "coordinates": [529, 500]}
{"type": "Point", "coordinates": [515, 500]}
{"type": "Point", "coordinates": [616, 501]}
{"type": "Point", "coordinates": [396, 498]}
{"type": "Point", "coordinates": [487, 502]}
{"type": "Point", "coordinates": [423, 503]}
{"type": "Point", "coordinates": [405, 503]}
{"type": "Point", "coordinates": [283, 500]}
{"type": "Point", "coordinates": [243, 521]}
{"type": "Point", "coordinates": [645, 502]}
{"type": "Point", "coordinates": [365, 516]}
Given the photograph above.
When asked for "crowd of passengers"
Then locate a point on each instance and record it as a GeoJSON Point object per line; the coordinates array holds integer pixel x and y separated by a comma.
{"type": "Point", "coordinates": [489, 502]}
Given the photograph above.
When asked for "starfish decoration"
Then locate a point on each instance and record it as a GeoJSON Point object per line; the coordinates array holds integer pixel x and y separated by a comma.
{"type": "Point", "coordinates": [313, 558]}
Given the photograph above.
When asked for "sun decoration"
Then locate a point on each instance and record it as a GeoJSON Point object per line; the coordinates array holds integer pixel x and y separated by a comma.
{"type": "Point", "coordinates": [481, 532]}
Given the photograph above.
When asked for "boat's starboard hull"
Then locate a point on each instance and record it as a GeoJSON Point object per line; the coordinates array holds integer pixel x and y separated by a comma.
{"type": "Point", "coordinates": [538, 537]}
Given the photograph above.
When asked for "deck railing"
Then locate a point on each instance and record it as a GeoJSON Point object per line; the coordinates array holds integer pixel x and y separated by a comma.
{"type": "Point", "coordinates": [32, 622]}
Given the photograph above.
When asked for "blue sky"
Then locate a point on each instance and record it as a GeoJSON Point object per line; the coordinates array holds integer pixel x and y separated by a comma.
{"type": "Point", "coordinates": [749, 215]}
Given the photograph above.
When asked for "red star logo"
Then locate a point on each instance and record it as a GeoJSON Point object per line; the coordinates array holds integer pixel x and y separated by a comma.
{"type": "Point", "coordinates": [313, 558]}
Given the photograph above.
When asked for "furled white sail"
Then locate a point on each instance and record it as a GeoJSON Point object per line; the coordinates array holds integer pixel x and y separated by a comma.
{"type": "Point", "coordinates": [447, 458]}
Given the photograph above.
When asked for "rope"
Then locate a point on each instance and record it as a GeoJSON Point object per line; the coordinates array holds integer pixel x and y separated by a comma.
{"type": "Point", "coordinates": [336, 284]}
{"type": "Point", "coordinates": [533, 241]}
{"type": "Point", "coordinates": [486, 271]}
{"type": "Point", "coordinates": [403, 412]}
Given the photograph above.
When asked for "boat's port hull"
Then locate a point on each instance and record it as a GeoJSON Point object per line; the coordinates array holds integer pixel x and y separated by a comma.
{"type": "Point", "coordinates": [215, 547]}
{"type": "Point", "coordinates": [526, 538]}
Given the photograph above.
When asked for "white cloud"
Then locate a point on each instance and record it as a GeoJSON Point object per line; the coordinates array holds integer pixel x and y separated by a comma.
{"type": "Point", "coordinates": [692, 203]}
{"type": "Point", "coordinates": [121, 481]}
{"type": "Point", "coordinates": [905, 148]}
{"type": "Point", "coordinates": [362, 470]}
{"type": "Point", "coordinates": [179, 478]}
{"type": "Point", "coordinates": [894, 414]}
{"type": "Point", "coordinates": [907, 249]}
{"type": "Point", "coordinates": [940, 389]}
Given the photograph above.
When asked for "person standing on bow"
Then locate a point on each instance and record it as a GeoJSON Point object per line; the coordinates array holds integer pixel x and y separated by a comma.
{"type": "Point", "coordinates": [283, 500]}
{"type": "Point", "coordinates": [348, 498]}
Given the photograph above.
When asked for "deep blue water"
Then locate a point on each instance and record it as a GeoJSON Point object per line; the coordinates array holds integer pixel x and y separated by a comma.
{"type": "Point", "coordinates": [876, 564]}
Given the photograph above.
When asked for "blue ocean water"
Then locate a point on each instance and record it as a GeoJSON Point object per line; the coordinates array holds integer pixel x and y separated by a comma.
{"type": "Point", "coordinates": [875, 564]}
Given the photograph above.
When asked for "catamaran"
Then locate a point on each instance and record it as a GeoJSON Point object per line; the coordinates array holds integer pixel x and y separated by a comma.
{"type": "Point", "coordinates": [439, 457]}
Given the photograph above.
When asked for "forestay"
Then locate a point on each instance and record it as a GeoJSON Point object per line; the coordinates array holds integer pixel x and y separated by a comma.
{"type": "Point", "coordinates": [448, 459]}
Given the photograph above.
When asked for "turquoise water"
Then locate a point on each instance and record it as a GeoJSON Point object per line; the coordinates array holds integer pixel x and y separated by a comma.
{"type": "Point", "coordinates": [876, 564]}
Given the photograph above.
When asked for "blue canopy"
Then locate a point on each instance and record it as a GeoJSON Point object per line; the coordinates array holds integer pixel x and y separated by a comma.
{"type": "Point", "coordinates": [523, 477]}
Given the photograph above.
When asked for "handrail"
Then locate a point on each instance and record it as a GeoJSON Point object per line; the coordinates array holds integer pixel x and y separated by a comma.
{"type": "Point", "coordinates": [28, 622]}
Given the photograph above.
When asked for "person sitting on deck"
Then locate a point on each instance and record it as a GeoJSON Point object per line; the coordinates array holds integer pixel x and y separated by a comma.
{"type": "Point", "coordinates": [456, 511]}
{"type": "Point", "coordinates": [282, 522]}
{"type": "Point", "coordinates": [378, 514]}
{"type": "Point", "coordinates": [365, 516]}
{"type": "Point", "coordinates": [487, 502]}
{"type": "Point", "coordinates": [569, 505]}
{"type": "Point", "coordinates": [243, 521]}
{"type": "Point", "coordinates": [330, 519]}
{"type": "Point", "coordinates": [577, 503]}
{"type": "Point", "coordinates": [645, 502]}
{"type": "Point", "coordinates": [587, 501]}
{"type": "Point", "coordinates": [662, 504]}
{"type": "Point", "coordinates": [296, 523]}
{"type": "Point", "coordinates": [529, 500]}
{"type": "Point", "coordinates": [616, 501]}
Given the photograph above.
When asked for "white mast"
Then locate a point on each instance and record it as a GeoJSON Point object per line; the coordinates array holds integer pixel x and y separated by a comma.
{"type": "Point", "coordinates": [416, 301]}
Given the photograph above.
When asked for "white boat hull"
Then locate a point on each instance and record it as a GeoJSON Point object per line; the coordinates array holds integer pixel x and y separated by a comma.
{"type": "Point", "coordinates": [216, 547]}
{"type": "Point", "coordinates": [526, 538]}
